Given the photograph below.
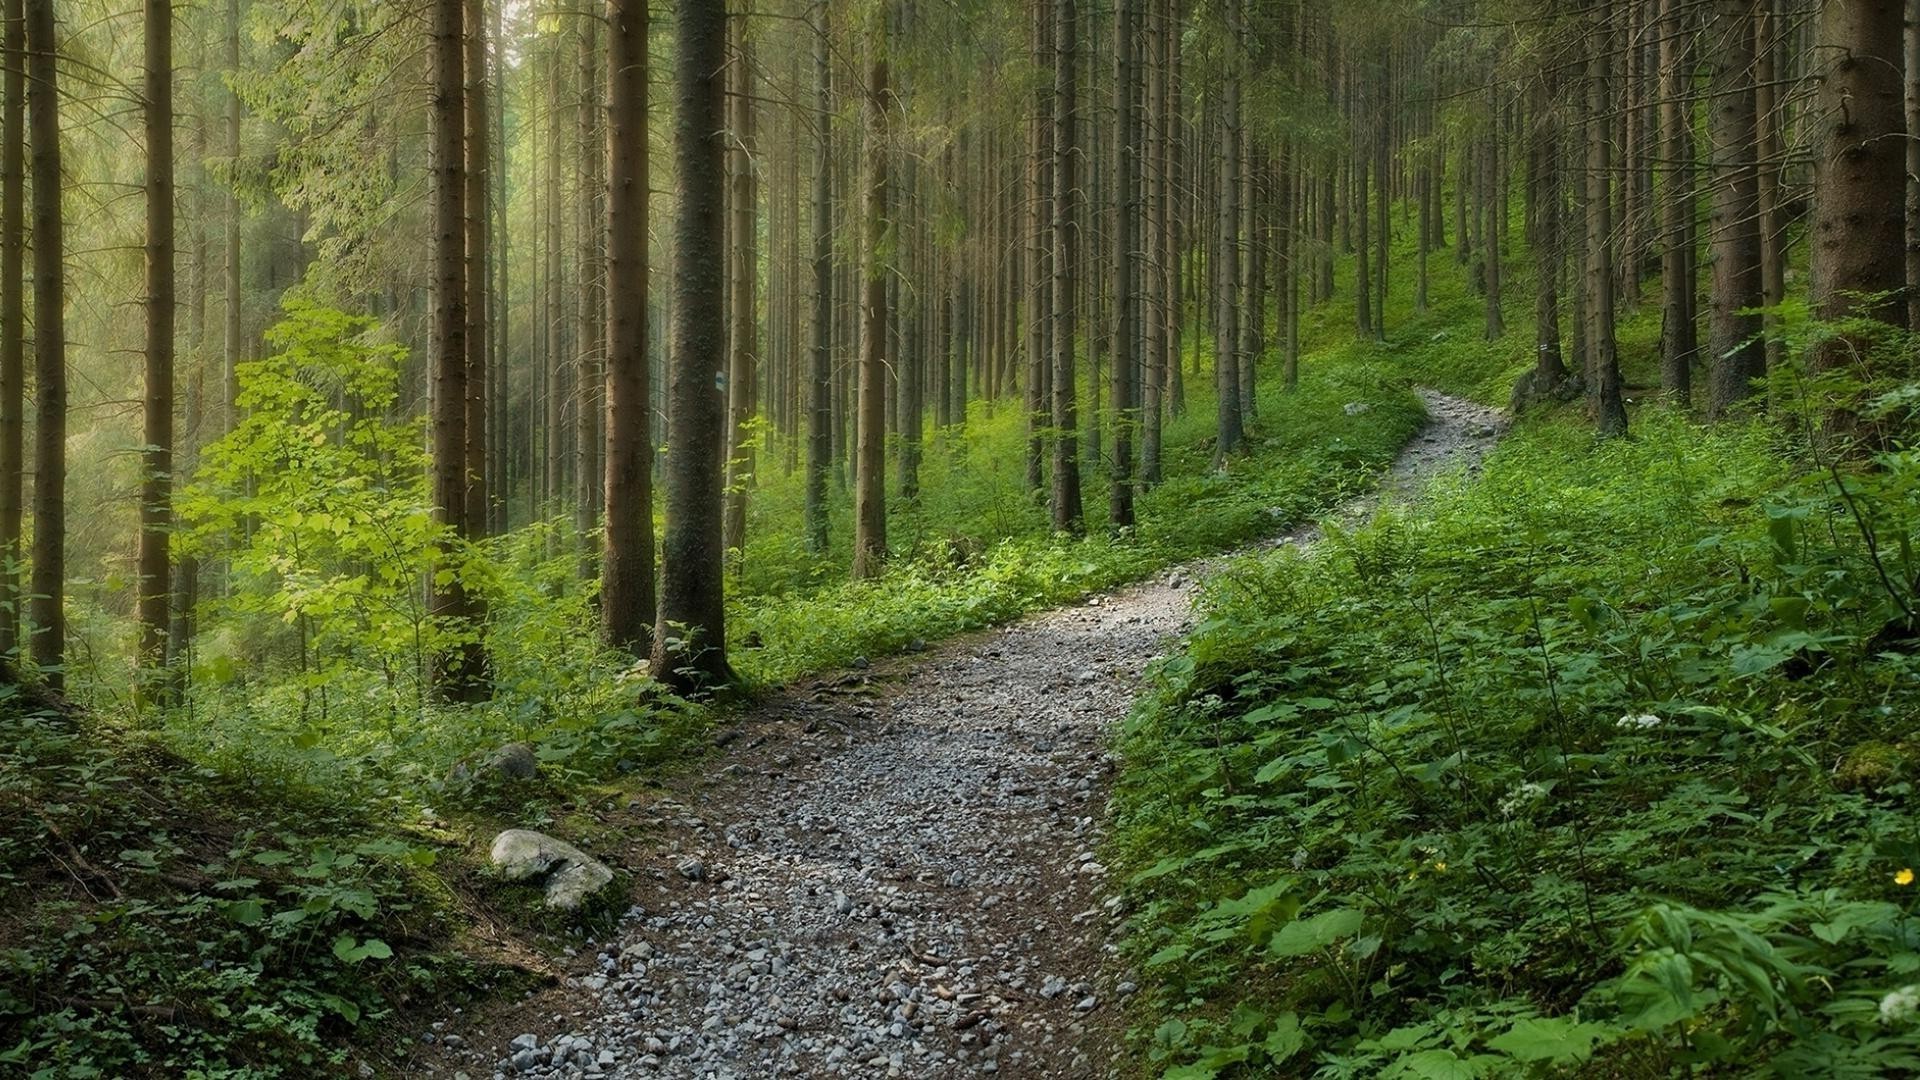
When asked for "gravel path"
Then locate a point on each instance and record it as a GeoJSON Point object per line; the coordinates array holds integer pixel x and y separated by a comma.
{"type": "Point", "coordinates": [896, 872]}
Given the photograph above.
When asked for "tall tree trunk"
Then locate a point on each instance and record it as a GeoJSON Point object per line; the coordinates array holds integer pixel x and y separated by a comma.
{"type": "Point", "coordinates": [1226, 362]}
{"type": "Point", "coordinates": [1039, 169]}
{"type": "Point", "coordinates": [590, 301]}
{"type": "Point", "coordinates": [460, 670]}
{"type": "Point", "coordinates": [1679, 335]}
{"type": "Point", "coordinates": [1603, 371]}
{"type": "Point", "coordinates": [1125, 181]}
{"type": "Point", "coordinates": [46, 607]}
{"type": "Point", "coordinates": [13, 375]}
{"type": "Point", "coordinates": [479, 169]}
{"type": "Point", "coordinates": [156, 457]}
{"type": "Point", "coordinates": [1734, 349]}
{"type": "Point", "coordinates": [230, 336]}
{"type": "Point", "coordinates": [742, 376]}
{"type": "Point", "coordinates": [1066, 504]}
{"type": "Point", "coordinates": [689, 644]}
{"type": "Point", "coordinates": [626, 567]}
{"type": "Point", "coordinates": [1913, 164]}
{"type": "Point", "coordinates": [870, 468]}
{"type": "Point", "coordinates": [1858, 257]}
{"type": "Point", "coordinates": [820, 369]}
{"type": "Point", "coordinates": [1773, 259]}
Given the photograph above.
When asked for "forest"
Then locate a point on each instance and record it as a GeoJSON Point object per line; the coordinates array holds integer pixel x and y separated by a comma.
{"type": "Point", "coordinates": [1048, 538]}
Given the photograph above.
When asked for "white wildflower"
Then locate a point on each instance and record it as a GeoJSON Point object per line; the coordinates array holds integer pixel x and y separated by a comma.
{"type": "Point", "coordinates": [1521, 798]}
{"type": "Point", "coordinates": [1642, 721]}
{"type": "Point", "coordinates": [1900, 1005]}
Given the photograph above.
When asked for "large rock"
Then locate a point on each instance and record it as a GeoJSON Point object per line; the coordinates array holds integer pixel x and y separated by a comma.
{"type": "Point", "coordinates": [571, 874]}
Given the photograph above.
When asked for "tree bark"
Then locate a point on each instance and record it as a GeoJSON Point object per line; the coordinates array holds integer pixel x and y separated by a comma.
{"type": "Point", "coordinates": [820, 369]}
{"type": "Point", "coordinates": [460, 669]}
{"type": "Point", "coordinates": [1679, 334]}
{"type": "Point", "coordinates": [626, 566]}
{"type": "Point", "coordinates": [1066, 504]}
{"type": "Point", "coordinates": [46, 607]}
{"type": "Point", "coordinates": [1127, 354]}
{"type": "Point", "coordinates": [870, 466]}
{"type": "Point", "coordinates": [1858, 232]}
{"type": "Point", "coordinates": [12, 328]}
{"type": "Point", "coordinates": [1735, 352]}
{"type": "Point", "coordinates": [1603, 370]}
{"type": "Point", "coordinates": [156, 456]}
{"type": "Point", "coordinates": [689, 644]}
{"type": "Point", "coordinates": [743, 361]}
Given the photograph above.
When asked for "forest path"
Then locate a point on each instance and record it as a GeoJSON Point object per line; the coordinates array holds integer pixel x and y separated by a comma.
{"type": "Point", "coordinates": [895, 872]}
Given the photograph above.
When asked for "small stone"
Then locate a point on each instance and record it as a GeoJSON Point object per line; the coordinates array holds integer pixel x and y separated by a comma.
{"type": "Point", "coordinates": [691, 868]}
{"type": "Point", "coordinates": [524, 1042]}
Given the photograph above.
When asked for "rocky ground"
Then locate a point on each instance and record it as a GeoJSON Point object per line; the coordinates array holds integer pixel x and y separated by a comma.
{"type": "Point", "coordinates": [895, 872]}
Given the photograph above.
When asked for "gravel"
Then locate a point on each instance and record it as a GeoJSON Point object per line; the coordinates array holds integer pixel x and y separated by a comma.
{"type": "Point", "coordinates": [895, 872]}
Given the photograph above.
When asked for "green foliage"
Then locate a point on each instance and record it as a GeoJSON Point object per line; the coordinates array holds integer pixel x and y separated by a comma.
{"type": "Point", "coordinates": [1600, 764]}
{"type": "Point", "coordinates": [160, 920]}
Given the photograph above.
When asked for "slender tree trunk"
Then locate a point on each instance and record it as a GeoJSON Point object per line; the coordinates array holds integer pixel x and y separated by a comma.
{"type": "Point", "coordinates": [820, 371]}
{"type": "Point", "coordinates": [477, 205]}
{"type": "Point", "coordinates": [590, 302]}
{"type": "Point", "coordinates": [13, 374]}
{"type": "Point", "coordinates": [1603, 371]}
{"type": "Point", "coordinates": [1734, 349]}
{"type": "Point", "coordinates": [231, 348]}
{"type": "Point", "coordinates": [626, 570]}
{"type": "Point", "coordinates": [156, 457]}
{"type": "Point", "coordinates": [689, 644]}
{"type": "Point", "coordinates": [870, 468]}
{"type": "Point", "coordinates": [1913, 164]}
{"type": "Point", "coordinates": [1773, 260]}
{"type": "Point", "coordinates": [1679, 339]}
{"type": "Point", "coordinates": [742, 374]}
{"type": "Point", "coordinates": [46, 607]}
{"type": "Point", "coordinates": [460, 671]}
{"type": "Point", "coordinates": [1066, 504]}
{"type": "Point", "coordinates": [1125, 182]}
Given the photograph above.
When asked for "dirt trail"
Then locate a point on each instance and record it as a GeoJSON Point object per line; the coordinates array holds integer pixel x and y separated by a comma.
{"type": "Point", "coordinates": [893, 873]}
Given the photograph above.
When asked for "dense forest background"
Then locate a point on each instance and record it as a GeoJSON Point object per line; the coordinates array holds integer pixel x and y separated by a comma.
{"type": "Point", "coordinates": [382, 383]}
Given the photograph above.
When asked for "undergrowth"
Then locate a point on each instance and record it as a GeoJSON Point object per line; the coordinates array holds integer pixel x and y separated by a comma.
{"type": "Point", "coordinates": [1601, 765]}
{"type": "Point", "coordinates": [161, 919]}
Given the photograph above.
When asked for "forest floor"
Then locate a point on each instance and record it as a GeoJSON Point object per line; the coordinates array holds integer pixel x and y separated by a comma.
{"type": "Point", "coordinates": [895, 871]}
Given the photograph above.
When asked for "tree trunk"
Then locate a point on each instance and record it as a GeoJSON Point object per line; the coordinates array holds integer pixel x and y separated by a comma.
{"type": "Point", "coordinates": [1066, 504]}
{"type": "Point", "coordinates": [12, 329]}
{"type": "Point", "coordinates": [46, 608]}
{"type": "Point", "coordinates": [1125, 182]}
{"type": "Point", "coordinates": [742, 365]}
{"type": "Point", "coordinates": [870, 468]}
{"type": "Point", "coordinates": [477, 204]}
{"type": "Point", "coordinates": [1679, 335]}
{"type": "Point", "coordinates": [1734, 349]}
{"type": "Point", "coordinates": [156, 457]}
{"type": "Point", "coordinates": [689, 644]}
{"type": "Point", "coordinates": [460, 670]}
{"type": "Point", "coordinates": [1603, 362]}
{"type": "Point", "coordinates": [1858, 233]}
{"type": "Point", "coordinates": [820, 370]}
{"type": "Point", "coordinates": [626, 570]}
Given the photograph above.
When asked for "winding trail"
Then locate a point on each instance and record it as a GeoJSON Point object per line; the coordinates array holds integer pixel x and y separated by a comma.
{"type": "Point", "coordinates": [894, 872]}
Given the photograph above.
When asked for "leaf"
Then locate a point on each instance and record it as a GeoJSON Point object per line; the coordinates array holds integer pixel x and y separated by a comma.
{"type": "Point", "coordinates": [246, 912]}
{"type": "Point", "coordinates": [1311, 935]}
{"type": "Point", "coordinates": [1436, 1065]}
{"type": "Point", "coordinates": [353, 952]}
{"type": "Point", "coordinates": [1557, 1039]}
{"type": "Point", "coordinates": [1285, 1040]}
